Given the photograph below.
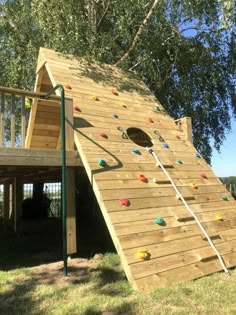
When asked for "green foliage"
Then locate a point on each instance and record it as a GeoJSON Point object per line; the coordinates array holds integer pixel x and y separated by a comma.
{"type": "Point", "coordinates": [186, 54]}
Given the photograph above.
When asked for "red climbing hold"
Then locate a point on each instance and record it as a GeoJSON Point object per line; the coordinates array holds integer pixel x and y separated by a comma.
{"type": "Point", "coordinates": [142, 178]}
{"type": "Point", "coordinates": [76, 107]}
{"type": "Point", "coordinates": [68, 86]}
{"type": "Point", "coordinates": [177, 137]}
{"type": "Point", "coordinates": [203, 175]}
{"type": "Point", "coordinates": [113, 91]}
{"type": "Point", "coordinates": [103, 135]}
{"type": "Point", "coordinates": [150, 120]}
{"type": "Point", "coordinates": [124, 202]}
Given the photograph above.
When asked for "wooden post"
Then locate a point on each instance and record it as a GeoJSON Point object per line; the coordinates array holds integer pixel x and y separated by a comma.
{"type": "Point", "coordinates": [18, 198]}
{"type": "Point", "coordinates": [68, 126]}
{"type": "Point", "coordinates": [71, 211]}
{"type": "Point", "coordinates": [23, 122]}
{"type": "Point", "coordinates": [2, 121]}
{"type": "Point", "coordinates": [6, 202]}
{"type": "Point", "coordinates": [13, 136]}
{"type": "Point", "coordinates": [186, 123]}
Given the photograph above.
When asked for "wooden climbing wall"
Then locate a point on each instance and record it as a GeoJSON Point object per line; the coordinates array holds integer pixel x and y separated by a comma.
{"type": "Point", "coordinates": [107, 102]}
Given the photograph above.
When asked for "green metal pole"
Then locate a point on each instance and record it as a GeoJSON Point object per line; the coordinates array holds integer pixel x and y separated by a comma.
{"type": "Point", "coordinates": [63, 188]}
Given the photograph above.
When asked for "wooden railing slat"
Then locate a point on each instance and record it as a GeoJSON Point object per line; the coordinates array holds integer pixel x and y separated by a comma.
{"type": "Point", "coordinates": [13, 129]}
{"type": "Point", "coordinates": [2, 121]}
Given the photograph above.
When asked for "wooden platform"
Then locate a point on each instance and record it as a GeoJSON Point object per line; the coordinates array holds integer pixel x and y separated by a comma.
{"type": "Point", "coordinates": [110, 102]}
{"type": "Point", "coordinates": [32, 164]}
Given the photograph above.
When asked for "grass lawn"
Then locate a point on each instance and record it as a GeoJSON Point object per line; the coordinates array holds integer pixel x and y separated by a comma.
{"type": "Point", "coordinates": [98, 286]}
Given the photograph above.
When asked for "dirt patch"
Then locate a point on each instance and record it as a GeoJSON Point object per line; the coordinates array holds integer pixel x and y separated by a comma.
{"type": "Point", "coordinates": [52, 273]}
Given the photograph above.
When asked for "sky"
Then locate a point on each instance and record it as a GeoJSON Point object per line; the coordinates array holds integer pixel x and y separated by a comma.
{"type": "Point", "coordinates": [224, 163]}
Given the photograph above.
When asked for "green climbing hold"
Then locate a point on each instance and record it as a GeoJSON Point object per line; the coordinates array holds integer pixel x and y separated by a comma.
{"type": "Point", "coordinates": [179, 162]}
{"type": "Point", "coordinates": [224, 198]}
{"type": "Point", "coordinates": [102, 162]}
{"type": "Point", "coordinates": [159, 221]}
{"type": "Point", "coordinates": [157, 108]}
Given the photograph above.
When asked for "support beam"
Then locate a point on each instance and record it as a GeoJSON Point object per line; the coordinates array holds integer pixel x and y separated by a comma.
{"type": "Point", "coordinates": [71, 211]}
{"type": "Point", "coordinates": [18, 198]}
{"type": "Point", "coordinates": [185, 125]}
{"type": "Point", "coordinates": [6, 203]}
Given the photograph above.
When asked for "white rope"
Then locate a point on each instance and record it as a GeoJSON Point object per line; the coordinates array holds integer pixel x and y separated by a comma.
{"type": "Point", "coordinates": [189, 209]}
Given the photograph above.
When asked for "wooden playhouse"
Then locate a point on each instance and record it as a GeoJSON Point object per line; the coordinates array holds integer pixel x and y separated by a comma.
{"type": "Point", "coordinates": [169, 216]}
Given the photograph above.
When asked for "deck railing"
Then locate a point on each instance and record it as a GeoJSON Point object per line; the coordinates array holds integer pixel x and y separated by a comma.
{"type": "Point", "coordinates": [15, 108]}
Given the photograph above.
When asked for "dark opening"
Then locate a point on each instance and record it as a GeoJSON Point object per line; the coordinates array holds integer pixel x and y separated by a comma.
{"type": "Point", "coordinates": [139, 137]}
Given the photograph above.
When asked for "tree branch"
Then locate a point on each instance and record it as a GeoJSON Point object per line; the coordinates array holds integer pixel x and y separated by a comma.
{"type": "Point", "coordinates": [3, 9]}
{"type": "Point", "coordinates": [104, 14]}
{"type": "Point", "coordinates": [139, 33]}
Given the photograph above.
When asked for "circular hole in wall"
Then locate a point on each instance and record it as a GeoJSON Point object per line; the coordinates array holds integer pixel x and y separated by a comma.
{"type": "Point", "coordinates": [139, 137]}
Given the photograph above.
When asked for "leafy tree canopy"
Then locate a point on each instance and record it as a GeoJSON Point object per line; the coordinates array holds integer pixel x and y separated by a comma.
{"type": "Point", "coordinates": [186, 53]}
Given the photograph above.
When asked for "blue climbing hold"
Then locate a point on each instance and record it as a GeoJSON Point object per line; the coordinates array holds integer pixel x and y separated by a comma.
{"type": "Point", "coordinates": [136, 151]}
{"type": "Point", "coordinates": [197, 155]}
{"type": "Point", "coordinates": [165, 145]}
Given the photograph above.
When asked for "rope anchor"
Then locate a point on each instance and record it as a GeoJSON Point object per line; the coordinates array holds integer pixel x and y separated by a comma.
{"type": "Point", "coordinates": [159, 136]}
{"type": "Point", "coordinates": [124, 134]}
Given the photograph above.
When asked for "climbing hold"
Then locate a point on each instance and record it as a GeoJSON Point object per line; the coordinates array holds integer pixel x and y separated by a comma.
{"type": "Point", "coordinates": [197, 155]}
{"type": "Point", "coordinates": [27, 103]}
{"type": "Point", "coordinates": [114, 91]}
{"type": "Point", "coordinates": [177, 137]}
{"type": "Point", "coordinates": [193, 185]}
{"type": "Point", "coordinates": [76, 107]}
{"type": "Point", "coordinates": [179, 162]}
{"type": "Point", "coordinates": [124, 106]}
{"type": "Point", "coordinates": [157, 108]}
{"type": "Point", "coordinates": [143, 254]}
{"type": "Point", "coordinates": [124, 202]}
{"type": "Point", "coordinates": [115, 116]}
{"type": "Point", "coordinates": [154, 180]}
{"type": "Point", "coordinates": [103, 135]}
{"type": "Point", "coordinates": [165, 145]}
{"type": "Point", "coordinates": [68, 86]}
{"type": "Point", "coordinates": [150, 120]}
{"type": "Point", "coordinates": [203, 175]}
{"type": "Point", "coordinates": [136, 151]}
{"type": "Point", "coordinates": [102, 162]}
{"type": "Point", "coordinates": [219, 217]}
{"type": "Point", "coordinates": [95, 98]}
{"type": "Point", "coordinates": [142, 178]}
{"type": "Point", "coordinates": [159, 221]}
{"type": "Point", "coordinates": [225, 198]}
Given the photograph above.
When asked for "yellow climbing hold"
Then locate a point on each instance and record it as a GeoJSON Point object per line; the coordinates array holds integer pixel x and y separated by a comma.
{"type": "Point", "coordinates": [95, 98]}
{"type": "Point", "coordinates": [219, 216]}
{"type": "Point", "coordinates": [194, 186]}
{"type": "Point", "coordinates": [143, 254]}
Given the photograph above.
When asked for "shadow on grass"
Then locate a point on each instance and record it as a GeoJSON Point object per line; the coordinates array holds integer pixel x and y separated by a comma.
{"type": "Point", "coordinates": [18, 300]}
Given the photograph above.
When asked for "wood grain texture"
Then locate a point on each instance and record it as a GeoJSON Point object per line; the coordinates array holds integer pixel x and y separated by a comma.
{"type": "Point", "coordinates": [178, 250]}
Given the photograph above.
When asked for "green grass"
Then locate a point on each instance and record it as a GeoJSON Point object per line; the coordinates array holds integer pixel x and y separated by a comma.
{"type": "Point", "coordinates": [105, 289]}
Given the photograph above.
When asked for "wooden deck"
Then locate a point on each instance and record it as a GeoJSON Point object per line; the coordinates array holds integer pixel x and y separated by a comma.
{"type": "Point", "coordinates": [32, 164]}
{"type": "Point", "coordinates": [176, 250]}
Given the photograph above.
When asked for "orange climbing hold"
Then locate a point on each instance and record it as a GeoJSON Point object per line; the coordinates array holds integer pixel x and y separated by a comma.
{"type": "Point", "coordinates": [103, 135]}
{"type": "Point", "coordinates": [150, 120]}
{"type": "Point", "coordinates": [177, 137]}
{"type": "Point", "coordinates": [203, 175]}
{"type": "Point", "coordinates": [68, 86]}
{"type": "Point", "coordinates": [142, 178]}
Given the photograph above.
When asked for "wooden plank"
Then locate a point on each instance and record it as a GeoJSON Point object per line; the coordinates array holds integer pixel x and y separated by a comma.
{"type": "Point", "coordinates": [23, 122]}
{"type": "Point", "coordinates": [13, 136]}
{"type": "Point", "coordinates": [71, 211]}
{"type": "Point", "coordinates": [6, 202]}
{"type": "Point", "coordinates": [2, 121]}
